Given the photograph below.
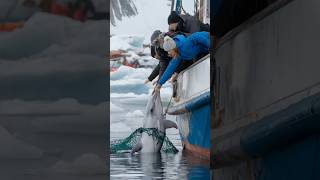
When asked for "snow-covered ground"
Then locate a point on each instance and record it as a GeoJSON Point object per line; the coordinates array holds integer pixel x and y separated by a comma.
{"type": "Point", "coordinates": [53, 79]}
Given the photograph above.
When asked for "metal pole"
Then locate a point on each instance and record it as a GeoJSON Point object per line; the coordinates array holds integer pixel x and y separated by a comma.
{"type": "Point", "coordinates": [172, 5]}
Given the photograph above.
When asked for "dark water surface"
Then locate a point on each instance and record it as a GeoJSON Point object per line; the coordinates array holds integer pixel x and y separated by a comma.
{"type": "Point", "coordinates": [158, 166]}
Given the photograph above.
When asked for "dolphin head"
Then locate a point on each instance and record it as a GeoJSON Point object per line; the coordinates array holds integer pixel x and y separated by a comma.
{"type": "Point", "coordinates": [154, 118]}
{"type": "Point", "coordinates": [154, 112]}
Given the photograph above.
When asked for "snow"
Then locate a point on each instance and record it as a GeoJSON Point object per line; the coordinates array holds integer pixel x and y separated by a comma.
{"type": "Point", "coordinates": [59, 28]}
{"type": "Point", "coordinates": [66, 37]}
{"type": "Point", "coordinates": [42, 50]}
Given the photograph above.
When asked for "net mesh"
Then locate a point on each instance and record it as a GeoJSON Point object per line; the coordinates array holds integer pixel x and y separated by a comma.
{"type": "Point", "coordinates": [128, 143]}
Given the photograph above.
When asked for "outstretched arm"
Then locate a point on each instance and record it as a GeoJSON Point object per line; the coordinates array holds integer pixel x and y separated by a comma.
{"type": "Point", "coordinates": [154, 73]}
{"type": "Point", "coordinates": [169, 70]}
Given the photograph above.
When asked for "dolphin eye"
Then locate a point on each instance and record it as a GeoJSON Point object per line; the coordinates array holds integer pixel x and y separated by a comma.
{"type": "Point", "coordinates": [151, 110]}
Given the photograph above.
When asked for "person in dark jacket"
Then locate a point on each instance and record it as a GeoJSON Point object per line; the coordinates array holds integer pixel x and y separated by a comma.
{"type": "Point", "coordinates": [186, 23]}
{"type": "Point", "coordinates": [159, 53]}
{"type": "Point", "coordinates": [182, 48]}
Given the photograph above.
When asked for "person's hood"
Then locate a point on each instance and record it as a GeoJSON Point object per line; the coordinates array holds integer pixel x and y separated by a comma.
{"type": "Point", "coordinates": [179, 40]}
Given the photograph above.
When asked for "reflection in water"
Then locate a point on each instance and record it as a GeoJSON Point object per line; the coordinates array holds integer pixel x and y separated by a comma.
{"type": "Point", "coordinates": [158, 166]}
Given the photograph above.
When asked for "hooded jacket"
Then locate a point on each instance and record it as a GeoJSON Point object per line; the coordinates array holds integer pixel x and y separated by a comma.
{"type": "Point", "coordinates": [188, 48]}
{"type": "Point", "coordinates": [191, 24]}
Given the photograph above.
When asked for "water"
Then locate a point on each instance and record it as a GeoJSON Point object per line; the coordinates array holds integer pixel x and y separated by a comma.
{"type": "Point", "coordinates": [158, 166]}
{"type": "Point", "coordinates": [128, 100]}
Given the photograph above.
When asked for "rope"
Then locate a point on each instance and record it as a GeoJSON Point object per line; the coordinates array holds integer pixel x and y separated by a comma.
{"type": "Point", "coordinates": [184, 11]}
{"type": "Point", "coordinates": [168, 106]}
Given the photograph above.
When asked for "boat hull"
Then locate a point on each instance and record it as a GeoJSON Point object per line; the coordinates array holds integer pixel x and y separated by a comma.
{"type": "Point", "coordinates": [193, 108]}
{"type": "Point", "coordinates": [266, 122]}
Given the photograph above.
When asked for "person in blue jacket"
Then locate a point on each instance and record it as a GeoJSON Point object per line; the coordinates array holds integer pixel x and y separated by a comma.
{"type": "Point", "coordinates": [182, 48]}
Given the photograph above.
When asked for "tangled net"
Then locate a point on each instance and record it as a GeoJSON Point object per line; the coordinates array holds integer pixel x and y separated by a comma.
{"type": "Point", "coordinates": [129, 142]}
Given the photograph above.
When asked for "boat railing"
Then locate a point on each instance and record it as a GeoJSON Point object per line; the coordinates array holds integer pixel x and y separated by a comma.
{"type": "Point", "coordinates": [194, 81]}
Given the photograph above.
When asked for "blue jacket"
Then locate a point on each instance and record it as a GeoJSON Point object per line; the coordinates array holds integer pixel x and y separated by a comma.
{"type": "Point", "coordinates": [188, 48]}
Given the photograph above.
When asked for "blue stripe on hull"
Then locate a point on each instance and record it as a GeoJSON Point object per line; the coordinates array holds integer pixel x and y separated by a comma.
{"type": "Point", "coordinates": [190, 105]}
{"type": "Point", "coordinates": [199, 127]}
{"type": "Point", "coordinates": [299, 161]}
{"type": "Point", "coordinates": [297, 121]}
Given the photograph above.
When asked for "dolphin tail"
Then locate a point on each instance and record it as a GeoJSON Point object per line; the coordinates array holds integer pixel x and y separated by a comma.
{"type": "Point", "coordinates": [169, 124]}
{"type": "Point", "coordinates": [136, 148]}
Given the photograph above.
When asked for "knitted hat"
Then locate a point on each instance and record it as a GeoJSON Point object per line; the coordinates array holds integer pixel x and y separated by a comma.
{"type": "Point", "coordinates": [173, 18]}
{"type": "Point", "coordinates": [168, 43]}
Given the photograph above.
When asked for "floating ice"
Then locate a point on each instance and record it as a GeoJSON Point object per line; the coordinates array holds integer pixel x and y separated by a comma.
{"type": "Point", "coordinates": [66, 115]}
{"type": "Point", "coordinates": [126, 42]}
{"type": "Point", "coordinates": [115, 109]}
{"type": "Point", "coordinates": [62, 63]}
{"type": "Point", "coordinates": [129, 80]}
{"type": "Point", "coordinates": [136, 113]}
{"type": "Point", "coordinates": [36, 30]}
{"type": "Point", "coordinates": [119, 127]}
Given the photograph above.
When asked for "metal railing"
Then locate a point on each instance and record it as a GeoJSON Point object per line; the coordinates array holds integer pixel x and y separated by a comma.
{"type": "Point", "coordinates": [194, 80]}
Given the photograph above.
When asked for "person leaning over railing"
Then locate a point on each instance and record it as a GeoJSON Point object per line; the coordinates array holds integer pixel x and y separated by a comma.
{"type": "Point", "coordinates": [182, 48]}
{"type": "Point", "coordinates": [159, 53]}
{"type": "Point", "coordinates": [185, 23]}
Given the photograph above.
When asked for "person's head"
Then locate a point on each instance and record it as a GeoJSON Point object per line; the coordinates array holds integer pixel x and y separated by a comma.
{"type": "Point", "coordinates": [173, 21]}
{"type": "Point", "coordinates": [155, 38]}
{"type": "Point", "coordinates": [154, 42]}
{"type": "Point", "coordinates": [169, 45]}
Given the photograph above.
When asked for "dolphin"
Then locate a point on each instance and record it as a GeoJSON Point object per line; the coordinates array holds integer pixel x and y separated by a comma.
{"type": "Point", "coordinates": [154, 118]}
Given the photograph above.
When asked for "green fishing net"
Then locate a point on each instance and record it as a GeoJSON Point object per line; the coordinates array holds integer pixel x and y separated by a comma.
{"type": "Point", "coordinates": [128, 143]}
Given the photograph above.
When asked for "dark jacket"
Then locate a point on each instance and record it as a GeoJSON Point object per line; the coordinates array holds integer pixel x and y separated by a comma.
{"type": "Point", "coordinates": [191, 24]}
{"type": "Point", "coordinates": [163, 62]}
